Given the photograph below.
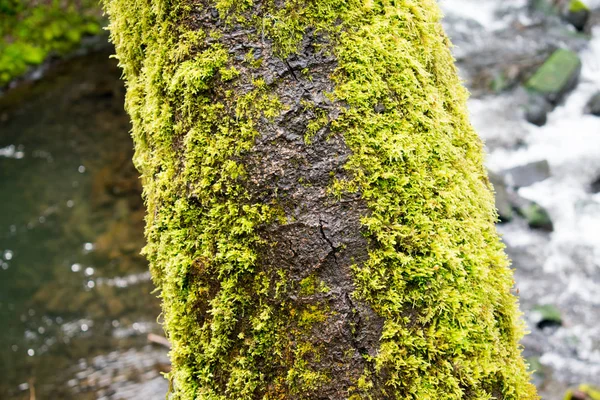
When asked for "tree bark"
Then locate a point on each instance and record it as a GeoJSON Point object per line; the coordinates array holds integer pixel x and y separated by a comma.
{"type": "Point", "coordinates": [320, 224]}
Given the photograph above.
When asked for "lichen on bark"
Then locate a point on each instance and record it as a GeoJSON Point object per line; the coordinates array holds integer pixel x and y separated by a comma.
{"type": "Point", "coordinates": [320, 224]}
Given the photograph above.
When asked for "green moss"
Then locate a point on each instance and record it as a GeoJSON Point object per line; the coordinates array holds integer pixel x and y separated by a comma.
{"type": "Point", "coordinates": [554, 75]}
{"type": "Point", "coordinates": [434, 248]}
{"type": "Point", "coordinates": [436, 272]}
{"type": "Point", "coordinates": [308, 285]}
{"type": "Point", "coordinates": [320, 121]}
{"type": "Point", "coordinates": [30, 31]}
{"type": "Point", "coordinates": [578, 5]}
{"type": "Point", "coordinates": [536, 216]}
{"type": "Point", "coordinates": [590, 393]}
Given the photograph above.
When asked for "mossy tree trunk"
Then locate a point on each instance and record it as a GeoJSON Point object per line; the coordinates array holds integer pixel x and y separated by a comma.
{"type": "Point", "coordinates": [320, 224]}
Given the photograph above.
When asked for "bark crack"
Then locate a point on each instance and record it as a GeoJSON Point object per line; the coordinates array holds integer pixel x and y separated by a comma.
{"type": "Point", "coordinates": [333, 248]}
{"type": "Point", "coordinates": [292, 72]}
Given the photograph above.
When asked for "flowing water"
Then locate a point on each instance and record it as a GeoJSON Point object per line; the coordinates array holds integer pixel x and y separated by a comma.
{"type": "Point", "coordinates": [75, 296]}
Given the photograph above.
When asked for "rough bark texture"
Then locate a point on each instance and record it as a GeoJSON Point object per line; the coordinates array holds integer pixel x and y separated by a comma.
{"type": "Point", "coordinates": [320, 224]}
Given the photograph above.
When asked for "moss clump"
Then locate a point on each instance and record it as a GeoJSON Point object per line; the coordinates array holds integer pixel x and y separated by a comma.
{"type": "Point", "coordinates": [30, 31]}
{"type": "Point", "coordinates": [556, 74]}
{"type": "Point", "coordinates": [311, 285]}
{"type": "Point", "coordinates": [584, 391]}
{"type": "Point", "coordinates": [577, 5]}
{"type": "Point", "coordinates": [436, 273]}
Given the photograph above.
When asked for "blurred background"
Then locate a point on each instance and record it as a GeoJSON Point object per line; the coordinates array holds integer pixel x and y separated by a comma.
{"type": "Point", "coordinates": [78, 317]}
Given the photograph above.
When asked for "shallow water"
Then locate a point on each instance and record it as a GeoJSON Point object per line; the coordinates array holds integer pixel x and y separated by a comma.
{"type": "Point", "coordinates": [75, 295]}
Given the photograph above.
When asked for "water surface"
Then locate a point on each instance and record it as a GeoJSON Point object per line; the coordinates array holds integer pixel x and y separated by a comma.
{"type": "Point", "coordinates": [75, 294]}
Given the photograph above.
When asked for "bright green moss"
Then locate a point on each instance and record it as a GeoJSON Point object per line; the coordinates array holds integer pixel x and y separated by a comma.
{"type": "Point", "coordinates": [311, 285]}
{"type": "Point", "coordinates": [589, 391]}
{"type": "Point", "coordinates": [577, 5]}
{"type": "Point", "coordinates": [554, 75]}
{"type": "Point", "coordinates": [436, 271]}
{"type": "Point", "coordinates": [434, 246]}
{"type": "Point", "coordinates": [30, 31]}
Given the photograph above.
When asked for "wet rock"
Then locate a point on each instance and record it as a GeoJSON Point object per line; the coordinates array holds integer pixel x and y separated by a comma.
{"type": "Point", "coordinates": [528, 174]}
{"type": "Point", "coordinates": [595, 186]}
{"type": "Point", "coordinates": [537, 109]}
{"type": "Point", "coordinates": [537, 217]}
{"type": "Point", "coordinates": [503, 205]}
{"type": "Point", "coordinates": [546, 315]}
{"type": "Point", "coordinates": [593, 105]}
{"type": "Point", "coordinates": [557, 76]}
{"type": "Point", "coordinates": [577, 14]}
{"type": "Point", "coordinates": [494, 60]}
{"type": "Point", "coordinates": [583, 392]}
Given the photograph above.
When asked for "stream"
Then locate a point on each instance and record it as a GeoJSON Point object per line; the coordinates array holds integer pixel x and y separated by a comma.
{"type": "Point", "coordinates": [76, 300]}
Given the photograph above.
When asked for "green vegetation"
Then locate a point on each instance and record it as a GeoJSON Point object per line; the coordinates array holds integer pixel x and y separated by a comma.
{"type": "Point", "coordinates": [584, 391]}
{"type": "Point", "coordinates": [556, 73]}
{"type": "Point", "coordinates": [436, 271]}
{"type": "Point", "coordinates": [31, 30]}
{"type": "Point", "coordinates": [549, 313]}
{"type": "Point", "coordinates": [578, 5]}
{"type": "Point", "coordinates": [536, 216]}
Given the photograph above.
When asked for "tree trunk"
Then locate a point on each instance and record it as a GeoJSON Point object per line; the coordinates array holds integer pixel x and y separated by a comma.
{"type": "Point", "coordinates": [320, 224]}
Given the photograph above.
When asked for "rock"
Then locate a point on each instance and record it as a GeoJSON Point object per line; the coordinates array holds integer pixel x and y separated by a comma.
{"type": "Point", "coordinates": [503, 205]}
{"type": "Point", "coordinates": [556, 77]}
{"type": "Point", "coordinates": [537, 217]}
{"type": "Point", "coordinates": [536, 111]}
{"type": "Point", "coordinates": [593, 105]}
{"type": "Point", "coordinates": [595, 186]}
{"type": "Point", "coordinates": [528, 174]}
{"type": "Point", "coordinates": [545, 315]}
{"type": "Point", "coordinates": [583, 392]}
{"type": "Point", "coordinates": [578, 14]}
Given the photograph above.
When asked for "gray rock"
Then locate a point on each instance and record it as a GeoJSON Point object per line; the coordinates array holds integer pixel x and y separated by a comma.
{"type": "Point", "coordinates": [593, 105]}
{"type": "Point", "coordinates": [546, 315]}
{"type": "Point", "coordinates": [503, 205]}
{"type": "Point", "coordinates": [578, 19]}
{"type": "Point", "coordinates": [537, 217]}
{"type": "Point", "coordinates": [536, 111]}
{"type": "Point", "coordinates": [528, 174]}
{"type": "Point", "coordinates": [595, 186]}
{"type": "Point", "coordinates": [577, 14]}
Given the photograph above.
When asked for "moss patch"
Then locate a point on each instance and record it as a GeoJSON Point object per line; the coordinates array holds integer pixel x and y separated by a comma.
{"type": "Point", "coordinates": [434, 248]}
{"type": "Point", "coordinates": [578, 5]}
{"type": "Point", "coordinates": [584, 391]}
{"type": "Point", "coordinates": [556, 73]}
{"type": "Point", "coordinates": [30, 31]}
